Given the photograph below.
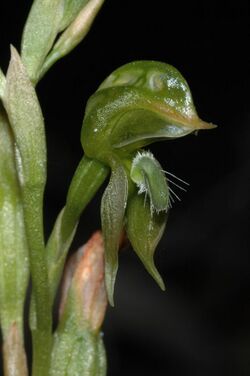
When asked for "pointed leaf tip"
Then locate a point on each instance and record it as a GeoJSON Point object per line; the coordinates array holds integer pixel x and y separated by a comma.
{"type": "Point", "coordinates": [26, 119]}
{"type": "Point", "coordinates": [144, 231]}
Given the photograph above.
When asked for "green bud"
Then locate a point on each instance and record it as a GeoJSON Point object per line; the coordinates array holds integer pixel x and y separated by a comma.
{"type": "Point", "coordinates": [83, 292]}
{"type": "Point", "coordinates": [47, 19]}
{"type": "Point", "coordinates": [78, 347]}
{"type": "Point", "coordinates": [76, 31]}
{"type": "Point", "coordinates": [39, 34]}
{"type": "Point", "coordinates": [144, 230]}
{"type": "Point", "coordinates": [146, 172]}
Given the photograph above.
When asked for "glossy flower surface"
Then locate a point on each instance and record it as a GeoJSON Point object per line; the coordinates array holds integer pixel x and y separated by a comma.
{"type": "Point", "coordinates": [138, 104]}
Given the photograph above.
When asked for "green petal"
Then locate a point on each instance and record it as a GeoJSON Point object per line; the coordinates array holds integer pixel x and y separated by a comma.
{"type": "Point", "coordinates": [144, 231]}
{"type": "Point", "coordinates": [112, 213]}
{"type": "Point", "coordinates": [158, 80]}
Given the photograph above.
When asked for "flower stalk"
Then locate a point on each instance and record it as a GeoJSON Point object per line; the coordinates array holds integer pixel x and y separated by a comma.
{"type": "Point", "coordinates": [88, 178]}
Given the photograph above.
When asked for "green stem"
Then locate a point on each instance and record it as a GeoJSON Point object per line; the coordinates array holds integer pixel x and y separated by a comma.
{"type": "Point", "coordinates": [41, 328]}
{"type": "Point", "coordinates": [89, 176]}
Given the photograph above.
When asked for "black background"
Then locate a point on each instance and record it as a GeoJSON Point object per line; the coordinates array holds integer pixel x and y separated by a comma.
{"type": "Point", "coordinates": [201, 324]}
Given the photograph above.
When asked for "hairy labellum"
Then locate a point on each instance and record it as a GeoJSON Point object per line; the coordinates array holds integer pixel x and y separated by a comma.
{"type": "Point", "coordinates": [146, 172]}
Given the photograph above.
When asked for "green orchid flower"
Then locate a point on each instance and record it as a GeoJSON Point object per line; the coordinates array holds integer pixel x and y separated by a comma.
{"type": "Point", "coordinates": [140, 103]}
